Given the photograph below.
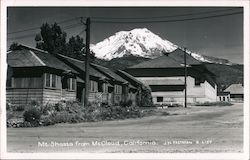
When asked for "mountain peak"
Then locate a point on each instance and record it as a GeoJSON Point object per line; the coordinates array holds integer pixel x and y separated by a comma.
{"type": "Point", "coordinates": [138, 42]}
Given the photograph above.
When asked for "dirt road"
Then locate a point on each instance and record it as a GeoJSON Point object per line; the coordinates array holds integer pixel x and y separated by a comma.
{"type": "Point", "coordinates": [194, 129]}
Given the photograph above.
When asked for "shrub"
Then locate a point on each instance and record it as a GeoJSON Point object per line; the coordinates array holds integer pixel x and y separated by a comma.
{"type": "Point", "coordinates": [34, 103]}
{"type": "Point", "coordinates": [32, 115]}
{"type": "Point", "coordinates": [146, 97]}
{"type": "Point", "coordinates": [18, 108]}
{"type": "Point", "coordinates": [60, 106]}
{"type": "Point", "coordinates": [126, 104]}
{"type": "Point", "coordinates": [48, 109]}
{"type": "Point", "coordinates": [10, 115]}
{"type": "Point", "coordinates": [8, 106]}
{"type": "Point", "coordinates": [74, 112]}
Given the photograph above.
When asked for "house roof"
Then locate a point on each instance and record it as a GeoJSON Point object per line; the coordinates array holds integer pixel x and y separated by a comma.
{"type": "Point", "coordinates": [164, 82]}
{"type": "Point", "coordinates": [109, 73]}
{"type": "Point", "coordinates": [24, 56]}
{"type": "Point", "coordinates": [235, 89]}
{"type": "Point", "coordinates": [81, 65]}
{"type": "Point", "coordinates": [160, 62]}
{"type": "Point", "coordinates": [129, 77]}
{"type": "Point", "coordinates": [223, 93]}
{"type": "Point", "coordinates": [174, 59]}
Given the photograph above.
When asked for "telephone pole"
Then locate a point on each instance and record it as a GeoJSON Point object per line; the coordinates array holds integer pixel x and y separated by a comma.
{"type": "Point", "coordinates": [185, 70]}
{"type": "Point", "coordinates": [86, 95]}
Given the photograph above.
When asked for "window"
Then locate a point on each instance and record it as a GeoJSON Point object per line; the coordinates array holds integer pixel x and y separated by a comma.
{"type": "Point", "coordinates": [105, 88]}
{"type": "Point", "coordinates": [159, 99]}
{"type": "Point", "coordinates": [93, 86]}
{"type": "Point", "coordinates": [50, 80]}
{"type": "Point", "coordinates": [71, 84]}
{"type": "Point", "coordinates": [118, 89]}
{"type": "Point", "coordinates": [53, 85]}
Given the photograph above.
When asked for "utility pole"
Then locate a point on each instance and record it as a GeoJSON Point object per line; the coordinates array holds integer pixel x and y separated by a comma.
{"type": "Point", "coordinates": [185, 70]}
{"type": "Point", "coordinates": [86, 96]}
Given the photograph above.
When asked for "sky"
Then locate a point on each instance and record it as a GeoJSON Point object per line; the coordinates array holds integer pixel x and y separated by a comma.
{"type": "Point", "coordinates": [199, 29]}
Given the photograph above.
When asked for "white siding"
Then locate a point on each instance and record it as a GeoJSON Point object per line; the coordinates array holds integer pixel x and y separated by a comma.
{"type": "Point", "coordinates": [202, 93]}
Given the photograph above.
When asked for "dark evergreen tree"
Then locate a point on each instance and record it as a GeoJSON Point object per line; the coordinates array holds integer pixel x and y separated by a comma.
{"type": "Point", "coordinates": [13, 46]}
{"type": "Point", "coordinates": [75, 47]}
{"type": "Point", "coordinates": [52, 39]}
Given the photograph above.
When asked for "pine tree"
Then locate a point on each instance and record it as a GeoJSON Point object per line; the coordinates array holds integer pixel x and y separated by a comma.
{"type": "Point", "coordinates": [51, 39]}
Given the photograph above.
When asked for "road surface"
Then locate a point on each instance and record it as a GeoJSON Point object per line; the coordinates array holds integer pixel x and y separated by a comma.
{"type": "Point", "coordinates": [194, 129]}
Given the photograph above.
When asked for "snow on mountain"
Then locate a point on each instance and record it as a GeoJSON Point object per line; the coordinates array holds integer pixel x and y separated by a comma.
{"type": "Point", "coordinates": [137, 42]}
{"type": "Point", "coordinates": [142, 43]}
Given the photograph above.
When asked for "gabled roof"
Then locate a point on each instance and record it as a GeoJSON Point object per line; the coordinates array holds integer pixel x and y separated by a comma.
{"type": "Point", "coordinates": [128, 77]}
{"type": "Point", "coordinates": [109, 73]}
{"type": "Point", "coordinates": [178, 55]}
{"type": "Point", "coordinates": [164, 82]}
{"type": "Point", "coordinates": [25, 56]}
{"type": "Point", "coordinates": [81, 66]}
{"type": "Point", "coordinates": [235, 89]}
{"type": "Point", "coordinates": [174, 59]}
{"type": "Point", "coordinates": [160, 62]}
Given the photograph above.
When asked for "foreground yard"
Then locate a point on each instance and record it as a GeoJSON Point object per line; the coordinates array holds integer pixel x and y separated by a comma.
{"type": "Point", "coordinates": [193, 129]}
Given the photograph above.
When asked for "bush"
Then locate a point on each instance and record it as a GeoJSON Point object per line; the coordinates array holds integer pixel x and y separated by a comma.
{"type": "Point", "coordinates": [126, 104]}
{"type": "Point", "coordinates": [32, 115]}
{"type": "Point", "coordinates": [74, 112]}
{"type": "Point", "coordinates": [48, 109]}
{"type": "Point", "coordinates": [8, 106]}
{"type": "Point", "coordinates": [18, 108]}
{"type": "Point", "coordinates": [10, 115]}
{"type": "Point", "coordinates": [146, 97]}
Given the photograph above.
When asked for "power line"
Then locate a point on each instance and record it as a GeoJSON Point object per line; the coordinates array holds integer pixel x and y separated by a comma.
{"type": "Point", "coordinates": [104, 21]}
{"type": "Point", "coordinates": [164, 21]}
{"type": "Point", "coordinates": [33, 34]}
{"type": "Point", "coordinates": [35, 28]}
{"type": "Point", "coordinates": [170, 16]}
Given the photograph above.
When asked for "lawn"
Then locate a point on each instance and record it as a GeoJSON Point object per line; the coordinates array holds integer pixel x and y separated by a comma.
{"type": "Point", "coordinates": [193, 129]}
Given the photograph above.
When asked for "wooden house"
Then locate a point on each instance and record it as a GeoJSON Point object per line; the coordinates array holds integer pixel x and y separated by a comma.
{"type": "Point", "coordinates": [36, 75]}
{"type": "Point", "coordinates": [135, 89]}
{"type": "Point", "coordinates": [165, 76]}
{"type": "Point", "coordinates": [98, 83]}
{"type": "Point", "coordinates": [119, 92]}
{"type": "Point", "coordinates": [105, 85]}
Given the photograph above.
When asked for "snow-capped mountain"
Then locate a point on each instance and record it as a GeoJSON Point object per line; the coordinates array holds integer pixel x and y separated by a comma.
{"type": "Point", "coordinates": [137, 42]}
{"type": "Point", "coordinates": [140, 42]}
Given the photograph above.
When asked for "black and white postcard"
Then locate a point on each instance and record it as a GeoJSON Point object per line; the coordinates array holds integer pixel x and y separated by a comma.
{"type": "Point", "coordinates": [124, 80]}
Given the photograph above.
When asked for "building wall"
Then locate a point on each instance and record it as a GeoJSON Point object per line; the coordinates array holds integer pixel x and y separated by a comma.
{"type": "Point", "coordinates": [210, 92]}
{"type": "Point", "coordinates": [223, 98]}
{"type": "Point", "coordinates": [23, 96]}
{"type": "Point", "coordinates": [24, 90]}
{"type": "Point", "coordinates": [195, 93]}
{"type": "Point", "coordinates": [237, 97]}
{"type": "Point", "coordinates": [132, 97]}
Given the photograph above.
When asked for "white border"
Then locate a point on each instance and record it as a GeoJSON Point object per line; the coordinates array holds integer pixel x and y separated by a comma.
{"type": "Point", "coordinates": [179, 3]}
